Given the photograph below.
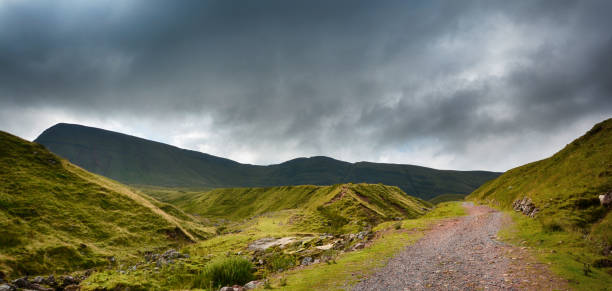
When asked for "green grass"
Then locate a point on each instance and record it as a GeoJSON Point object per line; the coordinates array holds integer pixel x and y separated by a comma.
{"type": "Point", "coordinates": [225, 271]}
{"type": "Point", "coordinates": [139, 161]}
{"type": "Point", "coordinates": [335, 209]}
{"type": "Point", "coordinates": [277, 224]}
{"type": "Point", "coordinates": [446, 198]}
{"type": "Point", "coordinates": [565, 187]}
{"type": "Point", "coordinates": [353, 266]}
{"type": "Point", "coordinates": [56, 217]}
{"type": "Point", "coordinates": [563, 251]}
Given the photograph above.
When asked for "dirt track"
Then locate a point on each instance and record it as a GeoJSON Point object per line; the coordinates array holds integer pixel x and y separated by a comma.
{"type": "Point", "coordinates": [463, 254]}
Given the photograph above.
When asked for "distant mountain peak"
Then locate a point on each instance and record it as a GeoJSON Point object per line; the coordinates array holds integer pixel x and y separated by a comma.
{"type": "Point", "coordinates": [135, 160]}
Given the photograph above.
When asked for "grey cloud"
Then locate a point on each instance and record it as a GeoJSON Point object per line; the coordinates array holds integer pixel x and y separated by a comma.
{"type": "Point", "coordinates": [347, 78]}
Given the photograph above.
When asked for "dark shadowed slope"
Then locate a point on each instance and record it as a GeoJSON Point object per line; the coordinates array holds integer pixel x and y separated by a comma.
{"type": "Point", "coordinates": [55, 216]}
{"type": "Point", "coordinates": [135, 160]}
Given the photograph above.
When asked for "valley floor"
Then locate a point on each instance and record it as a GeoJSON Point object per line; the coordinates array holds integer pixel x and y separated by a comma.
{"type": "Point", "coordinates": [464, 254]}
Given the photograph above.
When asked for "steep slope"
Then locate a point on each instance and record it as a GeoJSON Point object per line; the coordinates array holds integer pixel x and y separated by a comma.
{"type": "Point", "coordinates": [139, 161]}
{"type": "Point", "coordinates": [564, 187]}
{"type": "Point", "coordinates": [340, 208]}
{"type": "Point", "coordinates": [55, 216]}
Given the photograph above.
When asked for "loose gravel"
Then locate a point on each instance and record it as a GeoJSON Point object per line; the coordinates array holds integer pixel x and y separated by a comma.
{"type": "Point", "coordinates": [463, 254]}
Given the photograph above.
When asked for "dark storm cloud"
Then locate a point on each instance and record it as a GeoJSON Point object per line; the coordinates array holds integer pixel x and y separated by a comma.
{"type": "Point", "coordinates": [359, 80]}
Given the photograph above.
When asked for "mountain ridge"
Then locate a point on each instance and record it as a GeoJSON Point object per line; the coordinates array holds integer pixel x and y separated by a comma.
{"type": "Point", "coordinates": [138, 161]}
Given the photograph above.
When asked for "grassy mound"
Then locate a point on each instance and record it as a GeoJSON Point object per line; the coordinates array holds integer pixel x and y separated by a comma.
{"type": "Point", "coordinates": [57, 217]}
{"type": "Point", "coordinates": [446, 198]}
{"type": "Point", "coordinates": [337, 208]}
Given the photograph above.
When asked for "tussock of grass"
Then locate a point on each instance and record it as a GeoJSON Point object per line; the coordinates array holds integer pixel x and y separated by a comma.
{"type": "Point", "coordinates": [225, 271]}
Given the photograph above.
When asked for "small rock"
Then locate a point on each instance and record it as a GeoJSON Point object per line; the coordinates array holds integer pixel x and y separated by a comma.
{"type": "Point", "coordinates": [51, 281]}
{"type": "Point", "coordinates": [22, 283]}
{"type": "Point", "coordinates": [72, 287]}
{"type": "Point", "coordinates": [69, 280]}
{"type": "Point", "coordinates": [227, 288]}
{"type": "Point", "coordinates": [171, 254]}
{"type": "Point", "coordinates": [606, 199]}
{"type": "Point", "coordinates": [358, 246]}
{"type": "Point", "coordinates": [7, 287]}
{"type": "Point", "coordinates": [306, 261]}
{"type": "Point", "coordinates": [38, 280]}
{"type": "Point", "coordinates": [362, 234]}
{"type": "Point", "coordinates": [252, 285]}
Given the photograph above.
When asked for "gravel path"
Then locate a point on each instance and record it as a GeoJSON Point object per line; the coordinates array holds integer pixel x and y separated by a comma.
{"type": "Point", "coordinates": [462, 254]}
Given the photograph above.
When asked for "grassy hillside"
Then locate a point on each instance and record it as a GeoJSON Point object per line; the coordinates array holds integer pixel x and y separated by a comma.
{"type": "Point", "coordinates": [565, 187]}
{"type": "Point", "coordinates": [337, 208]}
{"type": "Point", "coordinates": [139, 161]}
{"type": "Point", "coordinates": [55, 216]}
{"type": "Point", "coordinates": [271, 219]}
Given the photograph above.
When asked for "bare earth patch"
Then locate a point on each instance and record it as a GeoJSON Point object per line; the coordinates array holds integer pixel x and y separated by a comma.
{"type": "Point", "coordinates": [463, 254]}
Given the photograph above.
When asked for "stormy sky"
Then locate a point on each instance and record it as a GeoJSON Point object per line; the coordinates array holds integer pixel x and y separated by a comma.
{"type": "Point", "coordinates": [447, 84]}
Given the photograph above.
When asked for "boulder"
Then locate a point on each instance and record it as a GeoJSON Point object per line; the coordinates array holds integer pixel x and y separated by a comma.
{"type": "Point", "coordinates": [606, 199]}
{"type": "Point", "coordinates": [525, 206]}
{"type": "Point", "coordinates": [7, 287]}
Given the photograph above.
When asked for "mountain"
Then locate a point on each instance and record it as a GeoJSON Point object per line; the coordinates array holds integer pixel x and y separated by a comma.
{"type": "Point", "coordinates": [336, 208]}
{"type": "Point", "coordinates": [564, 188]}
{"type": "Point", "coordinates": [57, 217]}
{"type": "Point", "coordinates": [138, 161]}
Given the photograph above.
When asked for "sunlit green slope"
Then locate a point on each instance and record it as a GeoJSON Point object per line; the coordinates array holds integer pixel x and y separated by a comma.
{"type": "Point", "coordinates": [565, 187]}
{"type": "Point", "coordinates": [55, 216]}
{"type": "Point", "coordinates": [342, 207]}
